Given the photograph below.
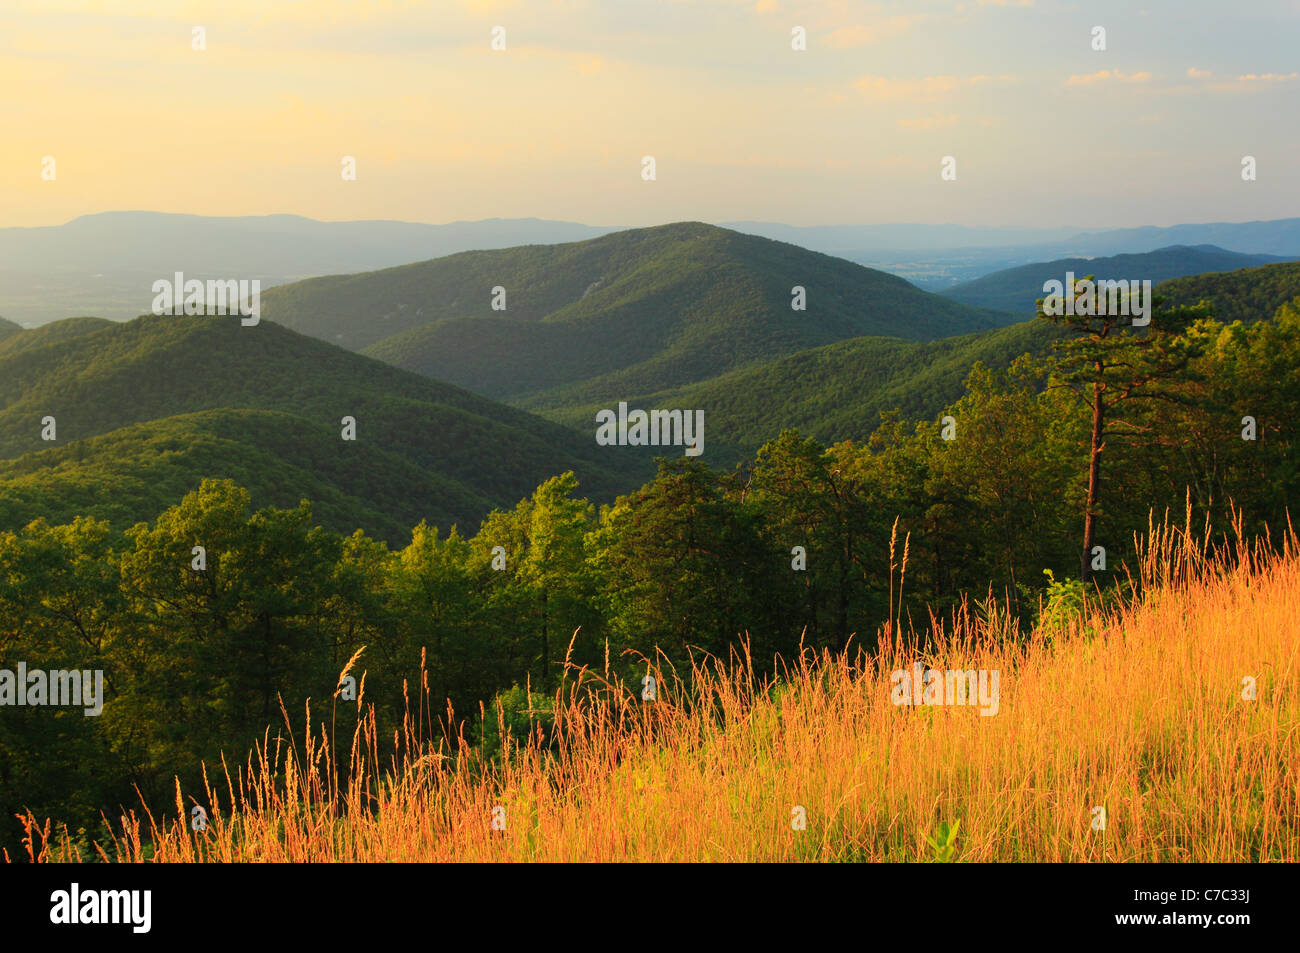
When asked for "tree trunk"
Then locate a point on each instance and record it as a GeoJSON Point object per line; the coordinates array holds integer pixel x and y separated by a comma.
{"type": "Point", "coordinates": [1094, 481]}
{"type": "Point", "coordinates": [546, 645]}
{"type": "Point", "coordinates": [842, 600]}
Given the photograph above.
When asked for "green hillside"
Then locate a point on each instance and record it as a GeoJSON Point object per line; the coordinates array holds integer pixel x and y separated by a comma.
{"type": "Point", "coordinates": [1246, 295]}
{"type": "Point", "coordinates": [836, 392]}
{"type": "Point", "coordinates": [423, 449]}
{"type": "Point", "coordinates": [8, 328]}
{"type": "Point", "coordinates": [1015, 290]}
{"type": "Point", "coordinates": [146, 409]}
{"type": "Point", "coordinates": [633, 311]}
{"type": "Point", "coordinates": [49, 333]}
{"type": "Point", "coordinates": [124, 475]}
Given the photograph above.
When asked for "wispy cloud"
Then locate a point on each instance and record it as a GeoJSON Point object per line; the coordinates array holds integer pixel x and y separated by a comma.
{"type": "Point", "coordinates": [1107, 76]}
{"type": "Point", "coordinates": [1267, 77]}
{"type": "Point", "coordinates": [1253, 82]}
{"type": "Point", "coordinates": [888, 28]}
{"type": "Point", "coordinates": [926, 89]}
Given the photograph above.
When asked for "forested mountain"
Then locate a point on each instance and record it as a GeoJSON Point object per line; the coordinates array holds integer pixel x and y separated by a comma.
{"type": "Point", "coordinates": [171, 399]}
{"type": "Point", "coordinates": [133, 472]}
{"type": "Point", "coordinates": [49, 334]}
{"type": "Point", "coordinates": [837, 391]}
{"type": "Point", "coordinates": [146, 409]}
{"type": "Point", "coordinates": [1014, 290]}
{"type": "Point", "coordinates": [1248, 294]}
{"type": "Point", "coordinates": [634, 311]}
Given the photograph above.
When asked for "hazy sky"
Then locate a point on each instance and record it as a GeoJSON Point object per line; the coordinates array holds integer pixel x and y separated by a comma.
{"type": "Point", "coordinates": [1044, 129]}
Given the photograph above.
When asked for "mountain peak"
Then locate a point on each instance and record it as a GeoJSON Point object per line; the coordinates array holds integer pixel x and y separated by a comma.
{"type": "Point", "coordinates": [634, 310]}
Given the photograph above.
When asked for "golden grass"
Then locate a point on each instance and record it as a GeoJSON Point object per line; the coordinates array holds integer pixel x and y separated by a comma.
{"type": "Point", "coordinates": [1137, 708]}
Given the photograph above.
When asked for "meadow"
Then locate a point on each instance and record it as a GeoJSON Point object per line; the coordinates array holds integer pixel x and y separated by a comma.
{"type": "Point", "coordinates": [1172, 703]}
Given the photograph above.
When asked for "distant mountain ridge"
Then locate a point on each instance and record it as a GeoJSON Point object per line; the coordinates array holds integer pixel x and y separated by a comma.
{"type": "Point", "coordinates": [1015, 290]}
{"type": "Point", "coordinates": [106, 263]}
{"type": "Point", "coordinates": [1279, 237]}
{"type": "Point", "coordinates": [1272, 237]}
{"type": "Point", "coordinates": [167, 242]}
{"type": "Point", "coordinates": [939, 257]}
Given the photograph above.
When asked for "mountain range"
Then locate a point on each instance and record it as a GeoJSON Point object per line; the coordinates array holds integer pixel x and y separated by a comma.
{"type": "Point", "coordinates": [105, 263]}
{"type": "Point", "coordinates": [1015, 290]}
{"type": "Point", "coordinates": [459, 408]}
{"type": "Point", "coordinates": [936, 257]}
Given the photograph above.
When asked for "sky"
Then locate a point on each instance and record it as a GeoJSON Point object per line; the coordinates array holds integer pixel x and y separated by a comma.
{"type": "Point", "coordinates": [1044, 129]}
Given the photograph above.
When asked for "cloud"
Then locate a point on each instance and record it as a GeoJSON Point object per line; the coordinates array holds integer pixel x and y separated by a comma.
{"type": "Point", "coordinates": [851, 36]}
{"type": "Point", "coordinates": [310, 12]}
{"type": "Point", "coordinates": [1106, 75]}
{"type": "Point", "coordinates": [927, 89]}
{"type": "Point", "coordinates": [1252, 82]}
{"type": "Point", "coordinates": [1195, 73]}
{"type": "Point", "coordinates": [1267, 77]}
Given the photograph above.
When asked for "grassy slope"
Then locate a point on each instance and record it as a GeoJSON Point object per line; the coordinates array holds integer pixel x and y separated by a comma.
{"type": "Point", "coordinates": [714, 771]}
